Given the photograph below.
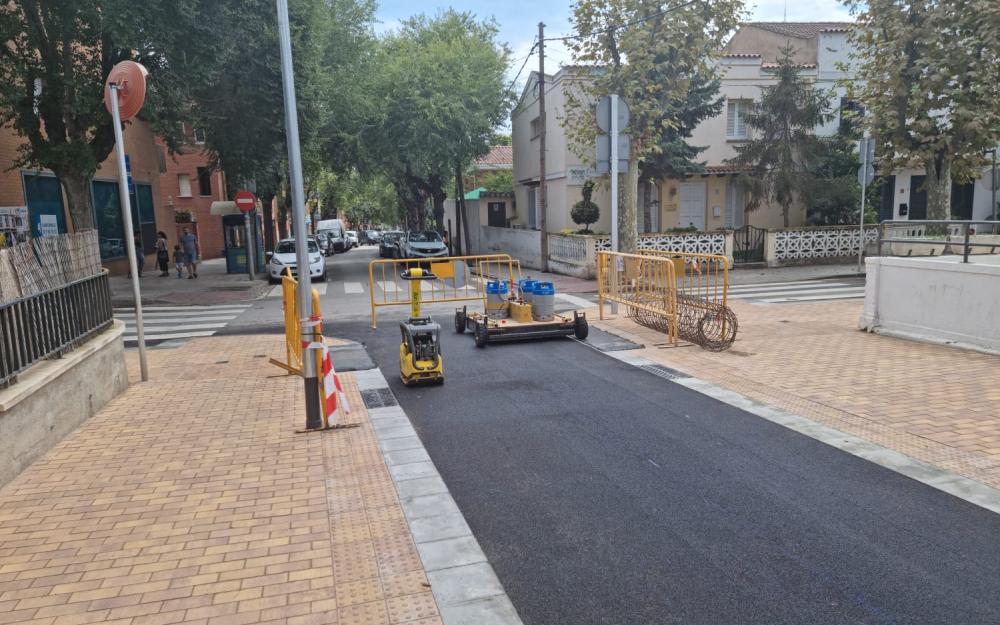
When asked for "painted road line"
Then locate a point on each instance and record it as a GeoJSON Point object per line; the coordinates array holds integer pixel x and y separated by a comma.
{"type": "Point", "coordinates": [151, 318]}
{"type": "Point", "coordinates": [818, 285]}
{"type": "Point", "coordinates": [132, 338]}
{"type": "Point", "coordinates": [353, 288]}
{"type": "Point", "coordinates": [789, 294]}
{"type": "Point", "coordinates": [764, 285]}
{"type": "Point", "coordinates": [816, 298]}
{"type": "Point", "coordinates": [579, 302]}
{"type": "Point", "coordinates": [220, 307]}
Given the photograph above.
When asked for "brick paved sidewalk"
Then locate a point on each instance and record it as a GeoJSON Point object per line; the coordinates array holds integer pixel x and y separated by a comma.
{"type": "Point", "coordinates": [190, 499]}
{"type": "Point", "coordinates": [938, 404]}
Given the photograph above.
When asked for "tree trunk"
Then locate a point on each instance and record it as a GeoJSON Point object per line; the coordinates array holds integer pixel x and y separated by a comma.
{"type": "Point", "coordinates": [283, 206]}
{"type": "Point", "coordinates": [438, 196]}
{"type": "Point", "coordinates": [785, 209]}
{"type": "Point", "coordinates": [628, 237]}
{"type": "Point", "coordinates": [457, 235]}
{"type": "Point", "coordinates": [79, 201]}
{"type": "Point", "coordinates": [938, 187]}
{"type": "Point", "coordinates": [267, 203]}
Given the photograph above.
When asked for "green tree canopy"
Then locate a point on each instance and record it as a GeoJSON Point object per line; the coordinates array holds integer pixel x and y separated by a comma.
{"type": "Point", "coordinates": [438, 93]}
{"type": "Point", "coordinates": [660, 60]}
{"type": "Point", "coordinates": [929, 77]}
{"type": "Point", "coordinates": [586, 211]}
{"type": "Point", "coordinates": [53, 66]}
{"type": "Point", "coordinates": [782, 147]}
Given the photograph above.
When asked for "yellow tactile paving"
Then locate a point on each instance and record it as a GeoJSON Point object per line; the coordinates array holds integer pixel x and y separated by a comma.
{"type": "Point", "coordinates": [190, 499]}
{"type": "Point", "coordinates": [934, 403]}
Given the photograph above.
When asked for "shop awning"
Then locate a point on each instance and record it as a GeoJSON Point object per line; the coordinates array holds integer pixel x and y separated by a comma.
{"type": "Point", "coordinates": [224, 208]}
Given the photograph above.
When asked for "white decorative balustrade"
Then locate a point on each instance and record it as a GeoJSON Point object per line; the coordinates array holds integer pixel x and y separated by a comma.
{"type": "Point", "coordinates": [803, 244]}
{"type": "Point", "coordinates": [693, 242]}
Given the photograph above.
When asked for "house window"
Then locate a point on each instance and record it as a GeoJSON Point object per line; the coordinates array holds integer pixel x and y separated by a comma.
{"type": "Point", "coordinates": [204, 181]}
{"type": "Point", "coordinates": [108, 217]}
{"type": "Point", "coordinates": [199, 135]}
{"type": "Point", "coordinates": [497, 214]}
{"type": "Point", "coordinates": [183, 185]}
{"type": "Point", "coordinates": [736, 127]}
{"type": "Point", "coordinates": [536, 127]}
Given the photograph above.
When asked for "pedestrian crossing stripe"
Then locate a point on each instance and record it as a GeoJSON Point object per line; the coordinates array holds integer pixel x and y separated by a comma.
{"type": "Point", "coordinates": [804, 291]}
{"type": "Point", "coordinates": [351, 288]}
{"type": "Point", "coordinates": [320, 287]}
{"type": "Point", "coordinates": [784, 287]}
{"type": "Point", "coordinates": [163, 323]}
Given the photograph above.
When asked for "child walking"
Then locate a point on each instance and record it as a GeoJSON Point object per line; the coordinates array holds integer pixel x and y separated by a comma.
{"type": "Point", "coordinates": [179, 258]}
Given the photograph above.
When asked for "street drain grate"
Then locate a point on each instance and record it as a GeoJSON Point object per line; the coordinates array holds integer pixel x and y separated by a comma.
{"type": "Point", "coordinates": [664, 372]}
{"type": "Point", "coordinates": [378, 398]}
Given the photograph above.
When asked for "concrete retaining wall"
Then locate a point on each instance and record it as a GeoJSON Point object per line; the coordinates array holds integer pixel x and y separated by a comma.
{"type": "Point", "coordinates": [941, 300]}
{"type": "Point", "coordinates": [522, 244]}
{"type": "Point", "coordinates": [55, 396]}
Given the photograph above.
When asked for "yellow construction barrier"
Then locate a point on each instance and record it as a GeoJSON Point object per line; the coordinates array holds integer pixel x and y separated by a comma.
{"type": "Point", "coordinates": [293, 331]}
{"type": "Point", "coordinates": [459, 279]}
{"type": "Point", "coordinates": [681, 294]}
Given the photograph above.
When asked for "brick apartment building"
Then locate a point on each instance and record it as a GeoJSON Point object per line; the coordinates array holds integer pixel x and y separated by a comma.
{"type": "Point", "coordinates": [188, 186]}
{"type": "Point", "coordinates": [157, 178]}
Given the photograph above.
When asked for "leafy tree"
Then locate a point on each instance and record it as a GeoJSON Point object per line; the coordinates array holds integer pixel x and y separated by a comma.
{"type": "Point", "coordinates": [832, 193]}
{"type": "Point", "coordinates": [499, 181]}
{"type": "Point", "coordinates": [501, 138]}
{"type": "Point", "coordinates": [782, 149]}
{"type": "Point", "coordinates": [57, 56]}
{"type": "Point", "coordinates": [245, 130]}
{"type": "Point", "coordinates": [928, 77]}
{"type": "Point", "coordinates": [439, 91]}
{"type": "Point", "coordinates": [586, 211]}
{"type": "Point", "coordinates": [655, 58]}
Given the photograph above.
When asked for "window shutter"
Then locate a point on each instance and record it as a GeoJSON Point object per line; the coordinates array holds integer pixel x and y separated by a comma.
{"type": "Point", "coordinates": [731, 119]}
{"type": "Point", "coordinates": [184, 185]}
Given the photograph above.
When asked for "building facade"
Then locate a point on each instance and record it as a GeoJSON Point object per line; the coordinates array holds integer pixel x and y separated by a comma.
{"type": "Point", "coordinates": [715, 199]}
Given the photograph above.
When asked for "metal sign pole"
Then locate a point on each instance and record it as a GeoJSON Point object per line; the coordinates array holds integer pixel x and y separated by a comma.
{"type": "Point", "coordinates": [313, 416]}
{"type": "Point", "coordinates": [248, 219]}
{"type": "Point", "coordinates": [129, 235]}
{"type": "Point", "coordinates": [864, 185]}
{"type": "Point", "coordinates": [614, 173]}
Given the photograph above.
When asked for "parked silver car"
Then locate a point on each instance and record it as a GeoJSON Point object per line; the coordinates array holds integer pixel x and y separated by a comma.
{"type": "Point", "coordinates": [424, 244]}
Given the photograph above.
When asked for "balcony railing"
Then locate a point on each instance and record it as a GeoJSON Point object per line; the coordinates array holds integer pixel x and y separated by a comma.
{"type": "Point", "coordinates": [50, 323]}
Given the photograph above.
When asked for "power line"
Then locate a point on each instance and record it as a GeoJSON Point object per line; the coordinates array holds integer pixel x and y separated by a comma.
{"type": "Point", "coordinates": [531, 52]}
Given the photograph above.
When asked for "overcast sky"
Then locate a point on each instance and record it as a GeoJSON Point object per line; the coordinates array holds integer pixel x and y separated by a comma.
{"type": "Point", "coordinates": [518, 19]}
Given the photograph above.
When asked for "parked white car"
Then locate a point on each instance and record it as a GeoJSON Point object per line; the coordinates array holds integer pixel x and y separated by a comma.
{"type": "Point", "coordinates": [352, 238]}
{"type": "Point", "coordinates": [284, 258]}
{"type": "Point", "coordinates": [423, 244]}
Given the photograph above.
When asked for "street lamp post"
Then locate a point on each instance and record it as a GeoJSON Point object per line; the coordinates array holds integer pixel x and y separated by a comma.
{"type": "Point", "coordinates": [314, 419]}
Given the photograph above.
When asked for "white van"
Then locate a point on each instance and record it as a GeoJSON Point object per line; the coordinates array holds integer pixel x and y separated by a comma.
{"type": "Point", "coordinates": [334, 230]}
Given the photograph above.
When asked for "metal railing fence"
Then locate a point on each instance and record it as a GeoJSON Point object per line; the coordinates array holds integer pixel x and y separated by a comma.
{"type": "Point", "coordinates": [51, 323]}
{"type": "Point", "coordinates": [938, 237]}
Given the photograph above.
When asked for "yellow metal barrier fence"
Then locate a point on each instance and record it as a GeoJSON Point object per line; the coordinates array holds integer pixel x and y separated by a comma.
{"type": "Point", "coordinates": [681, 294]}
{"type": "Point", "coordinates": [456, 279]}
{"type": "Point", "coordinates": [293, 332]}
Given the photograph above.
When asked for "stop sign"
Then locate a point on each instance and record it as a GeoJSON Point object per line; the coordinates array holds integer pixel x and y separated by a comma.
{"type": "Point", "coordinates": [245, 201]}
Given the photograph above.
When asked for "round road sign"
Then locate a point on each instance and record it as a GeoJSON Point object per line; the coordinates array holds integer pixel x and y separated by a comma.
{"type": "Point", "coordinates": [130, 80]}
{"type": "Point", "coordinates": [245, 201]}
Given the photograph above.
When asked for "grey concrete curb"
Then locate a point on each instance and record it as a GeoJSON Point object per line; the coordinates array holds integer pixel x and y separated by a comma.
{"type": "Point", "coordinates": [465, 587]}
{"type": "Point", "coordinates": [956, 485]}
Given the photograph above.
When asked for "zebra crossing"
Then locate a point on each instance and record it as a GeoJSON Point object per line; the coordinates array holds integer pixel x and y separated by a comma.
{"type": "Point", "coordinates": [361, 288]}
{"type": "Point", "coordinates": [166, 323]}
{"type": "Point", "coordinates": [801, 291]}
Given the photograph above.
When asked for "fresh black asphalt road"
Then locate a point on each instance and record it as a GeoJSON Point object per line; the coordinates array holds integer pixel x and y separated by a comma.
{"type": "Point", "coordinates": [604, 494]}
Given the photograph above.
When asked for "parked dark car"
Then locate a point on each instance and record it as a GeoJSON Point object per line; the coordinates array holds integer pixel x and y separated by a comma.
{"type": "Point", "coordinates": [388, 245]}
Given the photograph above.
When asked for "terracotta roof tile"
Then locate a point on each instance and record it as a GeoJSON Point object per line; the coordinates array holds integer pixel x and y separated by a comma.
{"type": "Point", "coordinates": [802, 30]}
{"type": "Point", "coordinates": [722, 169]}
{"type": "Point", "coordinates": [742, 55]}
{"type": "Point", "coordinates": [499, 155]}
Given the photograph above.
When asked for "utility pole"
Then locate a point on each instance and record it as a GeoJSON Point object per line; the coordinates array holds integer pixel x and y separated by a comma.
{"type": "Point", "coordinates": [314, 419]}
{"type": "Point", "coordinates": [543, 202]}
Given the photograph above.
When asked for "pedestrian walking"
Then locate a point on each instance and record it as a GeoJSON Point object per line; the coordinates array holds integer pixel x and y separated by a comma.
{"type": "Point", "coordinates": [140, 254]}
{"type": "Point", "coordinates": [179, 257]}
{"type": "Point", "coordinates": [162, 255]}
{"type": "Point", "coordinates": [192, 250]}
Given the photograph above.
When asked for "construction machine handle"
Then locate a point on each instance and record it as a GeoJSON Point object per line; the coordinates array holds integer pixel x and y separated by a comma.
{"type": "Point", "coordinates": [417, 273]}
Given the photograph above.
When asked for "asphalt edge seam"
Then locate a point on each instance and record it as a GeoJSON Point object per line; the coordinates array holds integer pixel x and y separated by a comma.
{"type": "Point", "coordinates": [464, 584]}
{"type": "Point", "coordinates": [959, 486]}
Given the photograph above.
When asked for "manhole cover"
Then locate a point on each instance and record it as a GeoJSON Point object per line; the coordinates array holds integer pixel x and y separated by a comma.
{"type": "Point", "coordinates": [664, 372]}
{"type": "Point", "coordinates": [378, 398]}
